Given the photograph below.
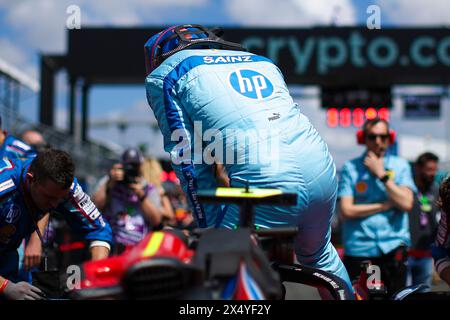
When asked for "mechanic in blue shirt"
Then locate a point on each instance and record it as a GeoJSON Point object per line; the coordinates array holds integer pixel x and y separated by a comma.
{"type": "Point", "coordinates": [376, 193]}
{"type": "Point", "coordinates": [13, 148]}
{"type": "Point", "coordinates": [441, 247]}
{"type": "Point", "coordinates": [28, 191]}
{"type": "Point", "coordinates": [204, 89]}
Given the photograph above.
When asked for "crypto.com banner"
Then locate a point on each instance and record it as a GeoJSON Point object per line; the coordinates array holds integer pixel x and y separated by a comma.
{"type": "Point", "coordinates": [323, 56]}
{"type": "Point", "coordinates": [331, 56]}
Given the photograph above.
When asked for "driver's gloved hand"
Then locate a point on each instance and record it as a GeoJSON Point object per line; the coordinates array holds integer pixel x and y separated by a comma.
{"type": "Point", "coordinates": [22, 291]}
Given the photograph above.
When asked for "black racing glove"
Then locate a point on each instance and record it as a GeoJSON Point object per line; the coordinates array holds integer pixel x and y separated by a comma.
{"type": "Point", "coordinates": [22, 291]}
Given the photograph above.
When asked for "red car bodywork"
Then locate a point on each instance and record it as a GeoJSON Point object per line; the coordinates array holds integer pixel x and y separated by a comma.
{"type": "Point", "coordinates": [109, 272]}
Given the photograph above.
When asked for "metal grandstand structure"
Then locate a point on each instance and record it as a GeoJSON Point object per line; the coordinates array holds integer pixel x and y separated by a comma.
{"type": "Point", "coordinates": [92, 159]}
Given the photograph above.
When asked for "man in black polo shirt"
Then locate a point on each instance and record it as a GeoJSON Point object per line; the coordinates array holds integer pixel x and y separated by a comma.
{"type": "Point", "coordinates": [423, 219]}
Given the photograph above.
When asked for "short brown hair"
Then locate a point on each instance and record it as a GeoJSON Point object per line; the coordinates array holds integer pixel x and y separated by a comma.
{"type": "Point", "coordinates": [371, 122]}
{"type": "Point", "coordinates": [54, 165]}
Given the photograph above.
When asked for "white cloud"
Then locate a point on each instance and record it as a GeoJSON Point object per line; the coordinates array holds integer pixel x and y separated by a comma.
{"type": "Point", "coordinates": [133, 12]}
{"type": "Point", "coordinates": [42, 24]}
{"type": "Point", "coordinates": [416, 12]}
{"type": "Point", "coordinates": [339, 11]}
{"type": "Point", "coordinates": [15, 55]}
{"type": "Point", "coordinates": [112, 13]}
{"type": "Point", "coordinates": [292, 13]}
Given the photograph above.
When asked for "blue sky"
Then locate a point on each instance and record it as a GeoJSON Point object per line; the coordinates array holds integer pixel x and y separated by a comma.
{"type": "Point", "coordinates": [28, 27]}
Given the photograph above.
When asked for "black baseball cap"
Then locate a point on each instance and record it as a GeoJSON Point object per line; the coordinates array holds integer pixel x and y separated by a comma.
{"type": "Point", "coordinates": [132, 156]}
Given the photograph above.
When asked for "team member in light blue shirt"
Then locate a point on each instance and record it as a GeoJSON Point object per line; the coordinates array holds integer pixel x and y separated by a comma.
{"type": "Point", "coordinates": [217, 103]}
{"type": "Point", "coordinates": [376, 193]}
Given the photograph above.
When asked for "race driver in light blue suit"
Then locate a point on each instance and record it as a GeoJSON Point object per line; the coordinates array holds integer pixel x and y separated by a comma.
{"type": "Point", "coordinates": [214, 100]}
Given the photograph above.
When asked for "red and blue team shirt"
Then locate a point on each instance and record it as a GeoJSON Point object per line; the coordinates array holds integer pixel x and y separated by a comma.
{"type": "Point", "coordinates": [16, 220]}
{"type": "Point", "coordinates": [13, 148]}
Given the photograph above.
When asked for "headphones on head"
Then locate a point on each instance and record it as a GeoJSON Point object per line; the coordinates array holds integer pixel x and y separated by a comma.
{"type": "Point", "coordinates": [361, 133]}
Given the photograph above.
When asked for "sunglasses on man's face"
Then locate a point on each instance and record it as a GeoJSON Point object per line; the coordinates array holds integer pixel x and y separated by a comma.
{"type": "Point", "coordinates": [373, 137]}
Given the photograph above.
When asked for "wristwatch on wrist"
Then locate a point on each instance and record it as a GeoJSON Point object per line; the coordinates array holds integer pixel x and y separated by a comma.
{"type": "Point", "coordinates": [384, 178]}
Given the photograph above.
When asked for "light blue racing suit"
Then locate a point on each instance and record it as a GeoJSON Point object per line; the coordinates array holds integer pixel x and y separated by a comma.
{"type": "Point", "coordinates": [234, 107]}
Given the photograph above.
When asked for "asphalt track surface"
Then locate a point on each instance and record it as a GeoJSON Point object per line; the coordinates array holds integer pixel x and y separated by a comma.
{"type": "Point", "coordinates": [295, 291]}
